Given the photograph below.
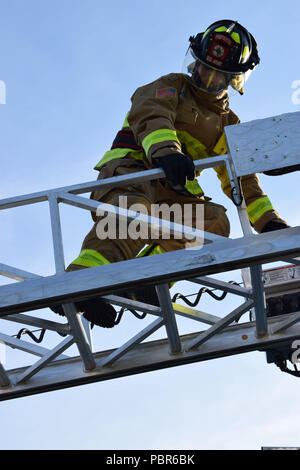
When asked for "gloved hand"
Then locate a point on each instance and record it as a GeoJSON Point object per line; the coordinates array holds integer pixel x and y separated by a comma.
{"type": "Point", "coordinates": [274, 225]}
{"type": "Point", "coordinates": [177, 168]}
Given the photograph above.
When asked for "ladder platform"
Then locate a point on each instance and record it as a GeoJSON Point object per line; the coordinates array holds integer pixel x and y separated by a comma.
{"type": "Point", "coordinates": [264, 144]}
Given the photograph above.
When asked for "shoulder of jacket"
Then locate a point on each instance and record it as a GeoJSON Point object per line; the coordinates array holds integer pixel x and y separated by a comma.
{"type": "Point", "coordinates": [175, 80]}
{"type": "Point", "coordinates": [172, 79]}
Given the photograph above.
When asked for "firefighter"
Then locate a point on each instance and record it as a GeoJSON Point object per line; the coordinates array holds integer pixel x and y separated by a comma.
{"type": "Point", "coordinates": [174, 120]}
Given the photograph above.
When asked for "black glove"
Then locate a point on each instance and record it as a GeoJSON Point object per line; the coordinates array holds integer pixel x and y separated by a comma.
{"type": "Point", "coordinates": [177, 168]}
{"type": "Point", "coordinates": [274, 225]}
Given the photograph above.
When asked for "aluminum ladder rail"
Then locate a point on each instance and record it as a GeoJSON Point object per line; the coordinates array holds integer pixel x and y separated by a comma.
{"type": "Point", "coordinates": [218, 255]}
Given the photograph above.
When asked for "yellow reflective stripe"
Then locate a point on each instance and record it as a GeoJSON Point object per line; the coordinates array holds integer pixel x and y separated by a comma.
{"type": "Point", "coordinates": [206, 32]}
{"type": "Point", "coordinates": [245, 51]}
{"type": "Point", "coordinates": [224, 178]}
{"type": "Point", "coordinates": [220, 29]}
{"type": "Point", "coordinates": [157, 250]}
{"type": "Point", "coordinates": [90, 258]}
{"type": "Point", "coordinates": [221, 148]}
{"type": "Point", "coordinates": [126, 123]}
{"type": "Point", "coordinates": [120, 153]}
{"type": "Point", "coordinates": [257, 208]}
{"type": "Point", "coordinates": [197, 150]}
{"type": "Point", "coordinates": [194, 187]}
{"type": "Point", "coordinates": [193, 146]}
{"type": "Point", "coordinates": [236, 37]}
{"type": "Point", "coordinates": [158, 136]}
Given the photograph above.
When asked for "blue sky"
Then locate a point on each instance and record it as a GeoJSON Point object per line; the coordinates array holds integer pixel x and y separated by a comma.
{"type": "Point", "coordinates": [70, 67]}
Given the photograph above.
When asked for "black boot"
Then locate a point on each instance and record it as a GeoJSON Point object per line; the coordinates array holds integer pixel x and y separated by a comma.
{"type": "Point", "coordinates": [96, 311]}
{"type": "Point", "coordinates": [145, 294]}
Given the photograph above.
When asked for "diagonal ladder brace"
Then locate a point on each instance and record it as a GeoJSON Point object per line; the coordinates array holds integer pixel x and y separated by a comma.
{"type": "Point", "coordinates": [220, 325]}
{"type": "Point", "coordinates": [25, 346]}
{"type": "Point", "coordinates": [48, 357]}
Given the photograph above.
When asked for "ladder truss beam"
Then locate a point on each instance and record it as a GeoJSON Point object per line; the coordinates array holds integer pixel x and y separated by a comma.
{"type": "Point", "coordinates": [161, 224]}
{"type": "Point", "coordinates": [224, 286]}
{"type": "Point", "coordinates": [226, 255]}
{"type": "Point", "coordinates": [15, 273]}
{"type": "Point", "coordinates": [124, 180]}
{"type": "Point", "coordinates": [23, 345]}
{"type": "Point", "coordinates": [148, 356]}
{"type": "Point", "coordinates": [60, 328]}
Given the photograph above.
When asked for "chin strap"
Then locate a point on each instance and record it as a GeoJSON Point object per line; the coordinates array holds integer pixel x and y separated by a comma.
{"type": "Point", "coordinates": [199, 83]}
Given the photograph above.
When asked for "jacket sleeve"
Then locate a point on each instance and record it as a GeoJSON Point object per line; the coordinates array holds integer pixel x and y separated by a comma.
{"type": "Point", "coordinates": [152, 116]}
{"type": "Point", "coordinates": [259, 207]}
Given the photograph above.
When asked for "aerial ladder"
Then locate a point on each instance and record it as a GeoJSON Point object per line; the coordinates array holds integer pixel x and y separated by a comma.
{"type": "Point", "coordinates": [270, 295]}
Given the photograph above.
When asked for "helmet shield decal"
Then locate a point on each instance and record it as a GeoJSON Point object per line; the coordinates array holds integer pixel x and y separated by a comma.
{"type": "Point", "coordinates": [219, 49]}
{"type": "Point", "coordinates": [227, 47]}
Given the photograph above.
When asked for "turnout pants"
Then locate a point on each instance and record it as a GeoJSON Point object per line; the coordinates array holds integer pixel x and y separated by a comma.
{"type": "Point", "coordinates": [96, 251]}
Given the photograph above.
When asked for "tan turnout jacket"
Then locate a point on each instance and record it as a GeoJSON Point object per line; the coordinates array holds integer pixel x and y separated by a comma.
{"type": "Point", "coordinates": [172, 115]}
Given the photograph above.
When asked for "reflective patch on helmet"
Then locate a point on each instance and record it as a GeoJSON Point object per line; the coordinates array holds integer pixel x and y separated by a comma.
{"type": "Point", "coordinates": [163, 92]}
{"type": "Point", "coordinates": [236, 37]}
{"type": "Point", "coordinates": [205, 33]}
{"type": "Point", "coordinates": [221, 28]}
{"type": "Point", "coordinates": [246, 52]}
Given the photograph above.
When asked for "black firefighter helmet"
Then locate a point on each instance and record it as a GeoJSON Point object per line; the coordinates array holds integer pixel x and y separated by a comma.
{"type": "Point", "coordinates": [225, 48]}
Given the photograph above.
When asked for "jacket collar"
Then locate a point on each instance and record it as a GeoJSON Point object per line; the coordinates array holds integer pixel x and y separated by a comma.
{"type": "Point", "coordinates": [216, 103]}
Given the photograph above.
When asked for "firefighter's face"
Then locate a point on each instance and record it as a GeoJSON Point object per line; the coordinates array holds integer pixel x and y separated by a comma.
{"type": "Point", "coordinates": [213, 80]}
